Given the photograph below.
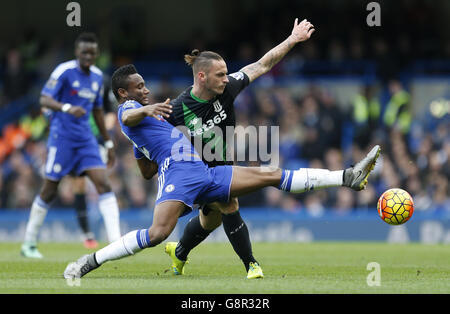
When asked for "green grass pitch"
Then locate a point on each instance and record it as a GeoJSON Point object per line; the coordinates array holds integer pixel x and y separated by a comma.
{"type": "Point", "coordinates": [289, 268]}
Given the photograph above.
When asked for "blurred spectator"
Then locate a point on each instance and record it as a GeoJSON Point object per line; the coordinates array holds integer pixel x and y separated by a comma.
{"type": "Point", "coordinates": [386, 65]}
{"type": "Point", "coordinates": [13, 137]}
{"type": "Point", "coordinates": [2, 190]}
{"type": "Point", "coordinates": [21, 182]}
{"type": "Point", "coordinates": [313, 144]}
{"type": "Point", "coordinates": [345, 201]}
{"type": "Point", "coordinates": [332, 118]}
{"type": "Point", "coordinates": [356, 49]}
{"type": "Point", "coordinates": [366, 108]}
{"type": "Point", "coordinates": [314, 204]}
{"type": "Point", "coordinates": [365, 199]}
{"type": "Point", "coordinates": [336, 51]}
{"type": "Point", "coordinates": [397, 113]}
{"type": "Point", "coordinates": [34, 124]}
{"type": "Point", "coordinates": [16, 79]}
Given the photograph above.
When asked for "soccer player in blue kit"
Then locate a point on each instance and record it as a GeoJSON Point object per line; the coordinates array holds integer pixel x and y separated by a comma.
{"type": "Point", "coordinates": [73, 91]}
{"type": "Point", "coordinates": [184, 179]}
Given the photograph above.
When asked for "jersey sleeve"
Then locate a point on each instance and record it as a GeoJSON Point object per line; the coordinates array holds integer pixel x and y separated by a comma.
{"type": "Point", "coordinates": [174, 116]}
{"type": "Point", "coordinates": [137, 153]}
{"type": "Point", "coordinates": [127, 106]}
{"type": "Point", "coordinates": [237, 82]}
{"type": "Point", "coordinates": [54, 85]}
{"type": "Point", "coordinates": [131, 104]}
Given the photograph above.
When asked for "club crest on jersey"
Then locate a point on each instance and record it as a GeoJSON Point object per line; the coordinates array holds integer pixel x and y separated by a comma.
{"type": "Point", "coordinates": [193, 121]}
{"type": "Point", "coordinates": [217, 106]}
{"type": "Point", "coordinates": [76, 84]}
{"type": "Point", "coordinates": [238, 75]}
{"type": "Point", "coordinates": [57, 168]}
{"type": "Point", "coordinates": [94, 86]}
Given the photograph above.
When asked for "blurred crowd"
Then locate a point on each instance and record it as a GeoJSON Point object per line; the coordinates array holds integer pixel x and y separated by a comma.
{"type": "Point", "coordinates": [315, 129]}
{"type": "Point", "coordinates": [314, 132]}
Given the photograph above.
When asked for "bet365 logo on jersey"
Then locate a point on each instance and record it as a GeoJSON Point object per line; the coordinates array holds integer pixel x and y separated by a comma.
{"type": "Point", "coordinates": [198, 128]}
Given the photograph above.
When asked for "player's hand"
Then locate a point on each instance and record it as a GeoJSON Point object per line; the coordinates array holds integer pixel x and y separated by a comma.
{"type": "Point", "coordinates": [159, 110]}
{"type": "Point", "coordinates": [302, 31]}
{"type": "Point", "coordinates": [77, 111]}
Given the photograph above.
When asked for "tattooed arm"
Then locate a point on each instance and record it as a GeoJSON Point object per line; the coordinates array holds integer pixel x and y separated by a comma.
{"type": "Point", "coordinates": [301, 32]}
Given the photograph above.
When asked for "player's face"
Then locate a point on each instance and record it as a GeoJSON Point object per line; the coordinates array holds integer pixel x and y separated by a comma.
{"type": "Point", "coordinates": [216, 77]}
{"type": "Point", "coordinates": [86, 54]}
{"type": "Point", "coordinates": [137, 89]}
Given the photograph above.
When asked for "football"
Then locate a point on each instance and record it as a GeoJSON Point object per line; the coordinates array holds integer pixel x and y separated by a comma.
{"type": "Point", "coordinates": [395, 206]}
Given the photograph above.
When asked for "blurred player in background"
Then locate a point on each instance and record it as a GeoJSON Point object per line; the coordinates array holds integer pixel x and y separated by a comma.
{"type": "Point", "coordinates": [73, 92]}
{"type": "Point", "coordinates": [79, 182]}
{"type": "Point", "coordinates": [209, 104]}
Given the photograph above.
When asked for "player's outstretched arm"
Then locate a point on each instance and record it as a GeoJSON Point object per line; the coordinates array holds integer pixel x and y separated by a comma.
{"type": "Point", "coordinates": [302, 31]}
{"type": "Point", "coordinates": [133, 117]}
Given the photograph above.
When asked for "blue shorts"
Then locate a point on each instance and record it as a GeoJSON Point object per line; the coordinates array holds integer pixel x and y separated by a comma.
{"type": "Point", "coordinates": [68, 157]}
{"type": "Point", "coordinates": [193, 182]}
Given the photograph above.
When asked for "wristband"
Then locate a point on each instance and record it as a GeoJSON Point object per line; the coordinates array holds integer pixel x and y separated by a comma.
{"type": "Point", "coordinates": [109, 144]}
{"type": "Point", "coordinates": [66, 107]}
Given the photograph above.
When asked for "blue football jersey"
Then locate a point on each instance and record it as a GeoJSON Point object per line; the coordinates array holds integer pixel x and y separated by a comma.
{"type": "Point", "coordinates": [187, 179]}
{"type": "Point", "coordinates": [155, 139]}
{"type": "Point", "coordinates": [69, 84]}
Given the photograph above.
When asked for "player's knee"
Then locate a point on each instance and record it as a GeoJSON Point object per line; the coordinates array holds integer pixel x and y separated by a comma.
{"type": "Point", "coordinates": [48, 197]}
{"type": "Point", "coordinates": [158, 234]}
{"type": "Point", "coordinates": [103, 187]}
{"type": "Point", "coordinates": [229, 210]}
{"type": "Point", "coordinates": [212, 221]}
{"type": "Point", "coordinates": [231, 207]}
{"type": "Point", "coordinates": [48, 194]}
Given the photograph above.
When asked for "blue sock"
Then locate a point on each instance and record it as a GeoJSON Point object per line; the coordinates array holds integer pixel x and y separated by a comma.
{"type": "Point", "coordinates": [143, 238]}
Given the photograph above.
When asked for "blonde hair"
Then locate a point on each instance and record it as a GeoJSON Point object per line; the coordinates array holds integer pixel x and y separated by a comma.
{"type": "Point", "coordinates": [200, 61]}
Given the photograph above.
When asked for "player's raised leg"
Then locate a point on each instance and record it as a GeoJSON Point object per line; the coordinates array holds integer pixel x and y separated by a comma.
{"type": "Point", "coordinates": [165, 218]}
{"type": "Point", "coordinates": [249, 179]}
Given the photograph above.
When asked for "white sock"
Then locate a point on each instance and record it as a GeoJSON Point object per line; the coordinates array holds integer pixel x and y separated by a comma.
{"type": "Point", "coordinates": [110, 211]}
{"type": "Point", "coordinates": [131, 243]}
{"type": "Point", "coordinates": [37, 215]}
{"type": "Point", "coordinates": [307, 179]}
